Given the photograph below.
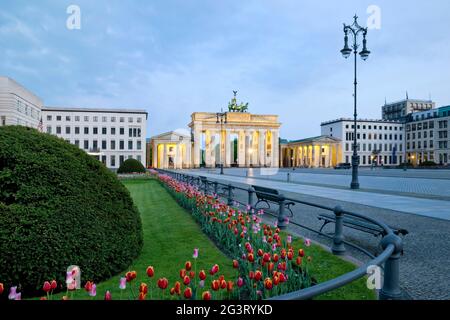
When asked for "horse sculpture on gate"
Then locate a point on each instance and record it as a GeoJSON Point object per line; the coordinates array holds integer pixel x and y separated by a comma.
{"type": "Point", "coordinates": [233, 106]}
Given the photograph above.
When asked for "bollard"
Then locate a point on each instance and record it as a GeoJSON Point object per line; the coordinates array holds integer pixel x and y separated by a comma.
{"type": "Point", "coordinates": [338, 247]}
{"type": "Point", "coordinates": [230, 195]}
{"type": "Point", "coordinates": [288, 177]}
{"type": "Point", "coordinates": [391, 284]}
{"type": "Point", "coordinates": [250, 191]}
{"type": "Point", "coordinates": [282, 223]}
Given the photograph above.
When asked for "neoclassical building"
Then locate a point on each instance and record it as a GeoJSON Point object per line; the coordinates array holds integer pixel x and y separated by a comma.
{"type": "Point", "coordinates": [171, 150]}
{"type": "Point", "coordinates": [317, 152]}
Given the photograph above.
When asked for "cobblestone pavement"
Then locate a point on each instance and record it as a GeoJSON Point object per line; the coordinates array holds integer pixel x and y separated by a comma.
{"type": "Point", "coordinates": [424, 268]}
{"type": "Point", "coordinates": [428, 184]}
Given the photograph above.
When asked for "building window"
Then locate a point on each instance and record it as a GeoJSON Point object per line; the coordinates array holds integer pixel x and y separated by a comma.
{"type": "Point", "coordinates": [113, 161]}
{"type": "Point", "coordinates": [58, 130]}
{"type": "Point", "coordinates": [104, 119]}
{"type": "Point", "coordinates": [77, 143]}
{"type": "Point", "coordinates": [86, 118]}
{"type": "Point", "coordinates": [139, 120]}
{"type": "Point", "coordinates": [58, 118]}
{"type": "Point", "coordinates": [122, 131]}
{"type": "Point", "coordinates": [113, 131]}
{"type": "Point", "coordinates": [95, 119]}
{"type": "Point", "coordinates": [130, 120]}
{"type": "Point", "coordinates": [86, 144]}
{"type": "Point", "coordinates": [113, 145]}
{"type": "Point", "coordinates": [122, 119]}
{"type": "Point", "coordinates": [67, 118]}
{"type": "Point", "coordinates": [121, 145]}
{"type": "Point", "coordinates": [130, 132]}
{"type": "Point", "coordinates": [121, 159]}
{"type": "Point", "coordinates": [77, 118]}
{"type": "Point", "coordinates": [67, 130]}
{"type": "Point", "coordinates": [113, 119]}
{"type": "Point", "coordinates": [139, 158]}
{"type": "Point", "coordinates": [49, 118]}
{"type": "Point", "coordinates": [130, 144]}
{"type": "Point", "coordinates": [49, 129]}
{"type": "Point", "coordinates": [104, 131]}
{"type": "Point", "coordinates": [95, 130]}
{"type": "Point", "coordinates": [86, 130]}
{"type": "Point", "coordinates": [103, 144]}
{"type": "Point", "coordinates": [139, 145]}
{"type": "Point", "coordinates": [104, 160]}
{"type": "Point", "coordinates": [95, 145]}
{"type": "Point", "coordinates": [77, 130]}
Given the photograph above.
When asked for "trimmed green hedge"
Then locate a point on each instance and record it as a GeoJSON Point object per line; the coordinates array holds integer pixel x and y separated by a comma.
{"type": "Point", "coordinates": [428, 164]}
{"type": "Point", "coordinates": [60, 207]}
{"type": "Point", "coordinates": [131, 166]}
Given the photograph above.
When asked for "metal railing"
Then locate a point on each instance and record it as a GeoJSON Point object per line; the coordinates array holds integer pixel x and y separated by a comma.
{"type": "Point", "coordinates": [388, 259]}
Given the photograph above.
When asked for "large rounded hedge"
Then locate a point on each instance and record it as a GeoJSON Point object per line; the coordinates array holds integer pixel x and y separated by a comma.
{"type": "Point", "coordinates": [131, 166]}
{"type": "Point", "coordinates": [60, 207]}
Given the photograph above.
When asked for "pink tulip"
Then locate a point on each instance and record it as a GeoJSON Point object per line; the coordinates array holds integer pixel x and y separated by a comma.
{"type": "Point", "coordinates": [307, 242]}
{"type": "Point", "coordinates": [93, 291]}
{"type": "Point", "coordinates": [123, 283]}
{"type": "Point", "coordinates": [240, 282]}
{"type": "Point", "coordinates": [289, 239]}
{"type": "Point", "coordinates": [19, 296]}
{"type": "Point", "coordinates": [108, 296]}
{"type": "Point", "coordinates": [12, 293]}
{"type": "Point", "coordinates": [201, 283]}
{"type": "Point", "coordinates": [195, 255]}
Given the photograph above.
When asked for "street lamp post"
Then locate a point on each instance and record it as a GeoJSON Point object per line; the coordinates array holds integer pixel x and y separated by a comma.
{"type": "Point", "coordinates": [222, 119]}
{"type": "Point", "coordinates": [355, 29]}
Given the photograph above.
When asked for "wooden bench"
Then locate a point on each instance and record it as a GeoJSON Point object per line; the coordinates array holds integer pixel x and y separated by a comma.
{"type": "Point", "coordinates": [268, 196]}
{"type": "Point", "coordinates": [360, 224]}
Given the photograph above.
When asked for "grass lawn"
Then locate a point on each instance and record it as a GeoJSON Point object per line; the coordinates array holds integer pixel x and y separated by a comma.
{"type": "Point", "coordinates": [171, 234]}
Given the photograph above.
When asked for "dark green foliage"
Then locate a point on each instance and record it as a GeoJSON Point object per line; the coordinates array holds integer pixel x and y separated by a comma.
{"type": "Point", "coordinates": [428, 164]}
{"type": "Point", "coordinates": [60, 207]}
{"type": "Point", "coordinates": [131, 166]}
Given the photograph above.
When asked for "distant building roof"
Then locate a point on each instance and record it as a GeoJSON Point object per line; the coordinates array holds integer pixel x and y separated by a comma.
{"type": "Point", "coordinates": [100, 110]}
{"type": "Point", "coordinates": [360, 120]}
{"type": "Point", "coordinates": [311, 139]}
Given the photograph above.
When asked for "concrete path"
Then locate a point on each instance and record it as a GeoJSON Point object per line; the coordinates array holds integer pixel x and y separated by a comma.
{"type": "Point", "coordinates": [425, 207]}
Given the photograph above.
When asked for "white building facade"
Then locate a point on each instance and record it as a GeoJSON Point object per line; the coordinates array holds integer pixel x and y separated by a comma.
{"type": "Point", "coordinates": [110, 135]}
{"type": "Point", "coordinates": [379, 142]}
{"type": "Point", "coordinates": [18, 106]}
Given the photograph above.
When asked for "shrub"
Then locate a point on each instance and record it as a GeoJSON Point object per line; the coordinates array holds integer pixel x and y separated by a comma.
{"type": "Point", "coordinates": [60, 207]}
{"type": "Point", "coordinates": [131, 166]}
{"type": "Point", "coordinates": [428, 164]}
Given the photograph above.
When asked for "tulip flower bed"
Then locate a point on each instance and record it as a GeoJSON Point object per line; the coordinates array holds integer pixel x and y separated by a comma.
{"type": "Point", "coordinates": [268, 263]}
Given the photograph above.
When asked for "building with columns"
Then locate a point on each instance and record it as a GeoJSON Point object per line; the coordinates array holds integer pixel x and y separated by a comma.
{"type": "Point", "coordinates": [316, 152]}
{"type": "Point", "coordinates": [243, 140]}
{"type": "Point", "coordinates": [171, 150]}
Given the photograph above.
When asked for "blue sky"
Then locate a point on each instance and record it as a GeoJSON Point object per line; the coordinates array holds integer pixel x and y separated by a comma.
{"type": "Point", "coordinates": [174, 57]}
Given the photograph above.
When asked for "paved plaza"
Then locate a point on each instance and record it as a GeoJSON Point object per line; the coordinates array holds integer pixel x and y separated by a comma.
{"type": "Point", "coordinates": [424, 266]}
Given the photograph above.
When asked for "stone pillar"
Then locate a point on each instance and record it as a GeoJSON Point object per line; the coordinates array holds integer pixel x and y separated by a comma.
{"type": "Point", "coordinates": [247, 148]}
{"type": "Point", "coordinates": [165, 159]}
{"type": "Point", "coordinates": [197, 143]}
{"type": "Point", "coordinates": [207, 148]}
{"type": "Point", "coordinates": [155, 154]}
{"type": "Point", "coordinates": [177, 157]}
{"type": "Point", "coordinates": [241, 149]}
{"type": "Point", "coordinates": [227, 147]}
{"type": "Point", "coordinates": [213, 146]}
{"type": "Point", "coordinates": [313, 156]}
{"type": "Point", "coordinates": [275, 146]}
{"type": "Point", "coordinates": [261, 148]}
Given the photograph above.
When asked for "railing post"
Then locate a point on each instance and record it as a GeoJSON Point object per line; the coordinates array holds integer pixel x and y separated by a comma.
{"type": "Point", "coordinates": [230, 195]}
{"type": "Point", "coordinates": [338, 247]}
{"type": "Point", "coordinates": [391, 284]}
{"type": "Point", "coordinates": [282, 223]}
{"type": "Point", "coordinates": [216, 185]}
{"type": "Point", "coordinates": [250, 191]}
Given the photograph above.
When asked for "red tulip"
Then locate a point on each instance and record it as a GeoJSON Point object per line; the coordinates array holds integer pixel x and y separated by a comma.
{"type": "Point", "coordinates": [223, 284]}
{"type": "Point", "coordinates": [215, 285]}
{"type": "Point", "coordinates": [143, 288]}
{"type": "Point", "coordinates": [214, 269]}
{"type": "Point", "coordinates": [266, 257]}
{"type": "Point", "coordinates": [301, 253]}
{"type": "Point", "coordinates": [268, 284]}
{"type": "Point", "coordinates": [206, 295]}
{"type": "Point", "coordinates": [270, 267]}
{"type": "Point", "coordinates": [290, 255]}
{"type": "Point", "coordinates": [142, 296]}
{"type": "Point", "coordinates": [282, 278]}
{"type": "Point", "coordinates": [235, 264]}
{"type": "Point", "coordinates": [1, 288]}
{"type": "Point", "coordinates": [172, 291]}
{"type": "Point", "coordinates": [182, 273]}
{"type": "Point", "coordinates": [47, 286]}
{"type": "Point", "coordinates": [186, 280]}
{"type": "Point", "coordinates": [258, 275]}
{"type": "Point", "coordinates": [53, 284]}
{"type": "Point", "coordinates": [276, 280]}
{"type": "Point", "coordinates": [192, 274]}
{"type": "Point", "coordinates": [251, 274]}
{"type": "Point", "coordinates": [188, 293]}
{"type": "Point", "coordinates": [230, 286]}
{"type": "Point", "coordinates": [202, 275]}
{"type": "Point", "coordinates": [251, 257]}
{"type": "Point", "coordinates": [87, 286]}
{"type": "Point", "coordinates": [177, 287]}
{"type": "Point", "coordinates": [43, 298]}
{"type": "Point", "coordinates": [163, 283]}
{"type": "Point", "coordinates": [283, 253]}
{"type": "Point", "coordinates": [275, 257]}
{"type": "Point", "coordinates": [260, 252]}
{"type": "Point", "coordinates": [188, 265]}
{"type": "Point", "coordinates": [130, 275]}
{"type": "Point", "coordinates": [298, 261]}
{"type": "Point", "coordinates": [150, 271]}
{"type": "Point", "coordinates": [108, 296]}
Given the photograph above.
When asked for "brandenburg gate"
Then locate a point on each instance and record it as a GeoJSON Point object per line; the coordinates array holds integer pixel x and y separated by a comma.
{"type": "Point", "coordinates": [243, 140]}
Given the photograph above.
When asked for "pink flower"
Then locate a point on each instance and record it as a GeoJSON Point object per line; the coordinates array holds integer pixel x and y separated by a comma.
{"type": "Point", "coordinates": [123, 283]}
{"type": "Point", "coordinates": [274, 247]}
{"type": "Point", "coordinates": [275, 224]}
{"type": "Point", "coordinates": [286, 220]}
{"type": "Point", "coordinates": [201, 283]}
{"type": "Point", "coordinates": [289, 239]}
{"type": "Point", "coordinates": [108, 296]}
{"type": "Point", "coordinates": [195, 255]}
{"type": "Point", "coordinates": [93, 291]}
{"type": "Point", "coordinates": [307, 242]}
{"type": "Point", "coordinates": [240, 282]}
{"type": "Point", "coordinates": [19, 296]}
{"type": "Point", "coordinates": [12, 293]}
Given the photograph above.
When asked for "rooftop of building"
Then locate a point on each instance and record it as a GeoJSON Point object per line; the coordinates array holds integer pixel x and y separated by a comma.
{"type": "Point", "coordinates": [97, 110]}
{"type": "Point", "coordinates": [311, 139]}
{"type": "Point", "coordinates": [408, 100]}
{"type": "Point", "coordinates": [361, 120]}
